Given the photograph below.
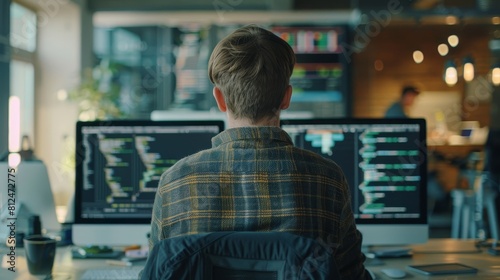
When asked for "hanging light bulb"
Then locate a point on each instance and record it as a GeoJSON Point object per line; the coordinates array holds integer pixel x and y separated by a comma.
{"type": "Point", "coordinates": [453, 40]}
{"type": "Point", "coordinates": [418, 56]}
{"type": "Point", "coordinates": [450, 73]}
{"type": "Point", "coordinates": [468, 69]}
{"type": "Point", "coordinates": [495, 74]}
{"type": "Point", "coordinates": [443, 49]}
{"type": "Point", "coordinates": [451, 20]}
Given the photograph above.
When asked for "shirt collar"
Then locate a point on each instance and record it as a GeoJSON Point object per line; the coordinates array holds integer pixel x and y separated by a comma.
{"type": "Point", "coordinates": [266, 134]}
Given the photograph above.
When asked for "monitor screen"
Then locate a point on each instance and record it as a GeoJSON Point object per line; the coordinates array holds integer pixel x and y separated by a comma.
{"type": "Point", "coordinates": [118, 167]}
{"type": "Point", "coordinates": [320, 78]}
{"type": "Point", "coordinates": [384, 161]}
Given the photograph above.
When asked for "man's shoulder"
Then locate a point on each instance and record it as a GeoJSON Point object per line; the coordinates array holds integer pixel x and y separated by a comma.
{"type": "Point", "coordinates": [315, 160]}
{"type": "Point", "coordinates": [187, 165]}
{"type": "Point", "coordinates": [395, 110]}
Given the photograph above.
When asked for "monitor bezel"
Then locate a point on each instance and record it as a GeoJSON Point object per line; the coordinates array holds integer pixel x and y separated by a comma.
{"type": "Point", "coordinates": [422, 145]}
{"type": "Point", "coordinates": [79, 152]}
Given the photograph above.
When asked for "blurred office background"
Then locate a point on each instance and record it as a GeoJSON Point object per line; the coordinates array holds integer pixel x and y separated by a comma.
{"type": "Point", "coordinates": [86, 59]}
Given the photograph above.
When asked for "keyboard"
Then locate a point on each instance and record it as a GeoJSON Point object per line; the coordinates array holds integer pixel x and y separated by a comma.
{"type": "Point", "coordinates": [112, 273]}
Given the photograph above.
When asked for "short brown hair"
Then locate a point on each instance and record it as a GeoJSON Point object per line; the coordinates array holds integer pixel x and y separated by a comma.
{"type": "Point", "coordinates": [409, 90]}
{"type": "Point", "coordinates": [252, 68]}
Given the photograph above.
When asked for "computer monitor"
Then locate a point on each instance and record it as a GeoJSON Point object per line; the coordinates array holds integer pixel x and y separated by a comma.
{"type": "Point", "coordinates": [320, 78]}
{"type": "Point", "coordinates": [118, 167]}
{"type": "Point", "coordinates": [384, 161]}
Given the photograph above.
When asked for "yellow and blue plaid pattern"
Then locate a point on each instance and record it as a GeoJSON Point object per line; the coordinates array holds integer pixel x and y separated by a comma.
{"type": "Point", "coordinates": [254, 179]}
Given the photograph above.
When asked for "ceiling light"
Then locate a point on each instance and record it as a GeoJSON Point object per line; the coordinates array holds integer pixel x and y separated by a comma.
{"type": "Point", "coordinates": [451, 20]}
{"type": "Point", "coordinates": [468, 69]}
{"type": "Point", "coordinates": [495, 75]}
{"type": "Point", "coordinates": [450, 73]}
{"type": "Point", "coordinates": [418, 56]}
{"type": "Point", "coordinates": [443, 49]}
{"type": "Point", "coordinates": [453, 40]}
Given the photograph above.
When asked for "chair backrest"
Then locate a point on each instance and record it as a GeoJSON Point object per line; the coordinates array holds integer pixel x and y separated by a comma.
{"type": "Point", "coordinates": [241, 255]}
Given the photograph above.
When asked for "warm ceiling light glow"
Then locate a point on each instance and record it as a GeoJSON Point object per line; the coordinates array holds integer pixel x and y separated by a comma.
{"type": "Point", "coordinates": [468, 72]}
{"type": "Point", "coordinates": [379, 65]}
{"type": "Point", "coordinates": [495, 76]}
{"type": "Point", "coordinates": [14, 124]}
{"type": "Point", "coordinates": [418, 56]}
{"type": "Point", "coordinates": [453, 40]}
{"type": "Point", "coordinates": [450, 73]}
{"type": "Point", "coordinates": [451, 76]}
{"type": "Point", "coordinates": [443, 49]}
{"type": "Point", "coordinates": [495, 20]}
{"type": "Point", "coordinates": [451, 20]}
{"type": "Point", "coordinates": [468, 69]}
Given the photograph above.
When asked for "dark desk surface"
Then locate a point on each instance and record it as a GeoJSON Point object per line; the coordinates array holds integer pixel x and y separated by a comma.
{"type": "Point", "coordinates": [435, 251]}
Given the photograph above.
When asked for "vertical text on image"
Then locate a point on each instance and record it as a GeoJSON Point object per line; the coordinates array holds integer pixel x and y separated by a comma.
{"type": "Point", "coordinates": [11, 219]}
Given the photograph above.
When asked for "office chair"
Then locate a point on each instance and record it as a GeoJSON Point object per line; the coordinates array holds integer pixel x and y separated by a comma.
{"type": "Point", "coordinates": [481, 195]}
{"type": "Point", "coordinates": [242, 256]}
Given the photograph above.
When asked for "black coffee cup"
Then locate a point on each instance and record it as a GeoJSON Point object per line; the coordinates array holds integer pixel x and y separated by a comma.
{"type": "Point", "coordinates": [40, 252]}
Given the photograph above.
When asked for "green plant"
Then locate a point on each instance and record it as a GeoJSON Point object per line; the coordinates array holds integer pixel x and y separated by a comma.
{"type": "Point", "coordinates": [98, 95]}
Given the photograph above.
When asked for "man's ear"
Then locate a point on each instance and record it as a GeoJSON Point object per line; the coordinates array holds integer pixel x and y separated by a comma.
{"type": "Point", "coordinates": [285, 103]}
{"type": "Point", "coordinates": [219, 98]}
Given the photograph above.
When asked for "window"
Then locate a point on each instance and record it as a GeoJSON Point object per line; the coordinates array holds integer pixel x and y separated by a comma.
{"type": "Point", "coordinates": [23, 37]}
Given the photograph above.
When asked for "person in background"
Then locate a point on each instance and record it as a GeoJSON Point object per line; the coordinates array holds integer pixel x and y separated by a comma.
{"type": "Point", "coordinates": [400, 108]}
{"type": "Point", "coordinates": [253, 178]}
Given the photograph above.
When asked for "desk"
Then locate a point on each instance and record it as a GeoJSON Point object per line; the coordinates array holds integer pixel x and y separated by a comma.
{"type": "Point", "coordinates": [65, 267]}
{"type": "Point", "coordinates": [461, 251]}
{"type": "Point", "coordinates": [461, 150]}
{"type": "Point", "coordinates": [489, 266]}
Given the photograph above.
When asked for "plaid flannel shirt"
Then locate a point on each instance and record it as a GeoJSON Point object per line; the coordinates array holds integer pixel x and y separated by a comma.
{"type": "Point", "coordinates": [254, 179]}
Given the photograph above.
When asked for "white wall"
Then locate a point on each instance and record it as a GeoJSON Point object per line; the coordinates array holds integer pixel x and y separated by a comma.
{"type": "Point", "coordinates": [58, 67]}
{"type": "Point", "coordinates": [430, 104]}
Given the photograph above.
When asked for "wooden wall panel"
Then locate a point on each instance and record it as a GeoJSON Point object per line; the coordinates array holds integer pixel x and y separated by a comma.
{"type": "Point", "coordinates": [375, 90]}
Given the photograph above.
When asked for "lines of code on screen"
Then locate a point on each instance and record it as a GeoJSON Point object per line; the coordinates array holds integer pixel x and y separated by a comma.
{"type": "Point", "coordinates": [123, 164]}
{"type": "Point", "coordinates": [380, 162]}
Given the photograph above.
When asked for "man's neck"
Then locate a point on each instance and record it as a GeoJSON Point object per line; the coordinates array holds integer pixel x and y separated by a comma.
{"type": "Point", "coordinates": [243, 122]}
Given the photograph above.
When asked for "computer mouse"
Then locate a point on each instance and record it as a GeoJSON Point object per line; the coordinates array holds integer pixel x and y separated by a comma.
{"type": "Point", "coordinates": [393, 273]}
